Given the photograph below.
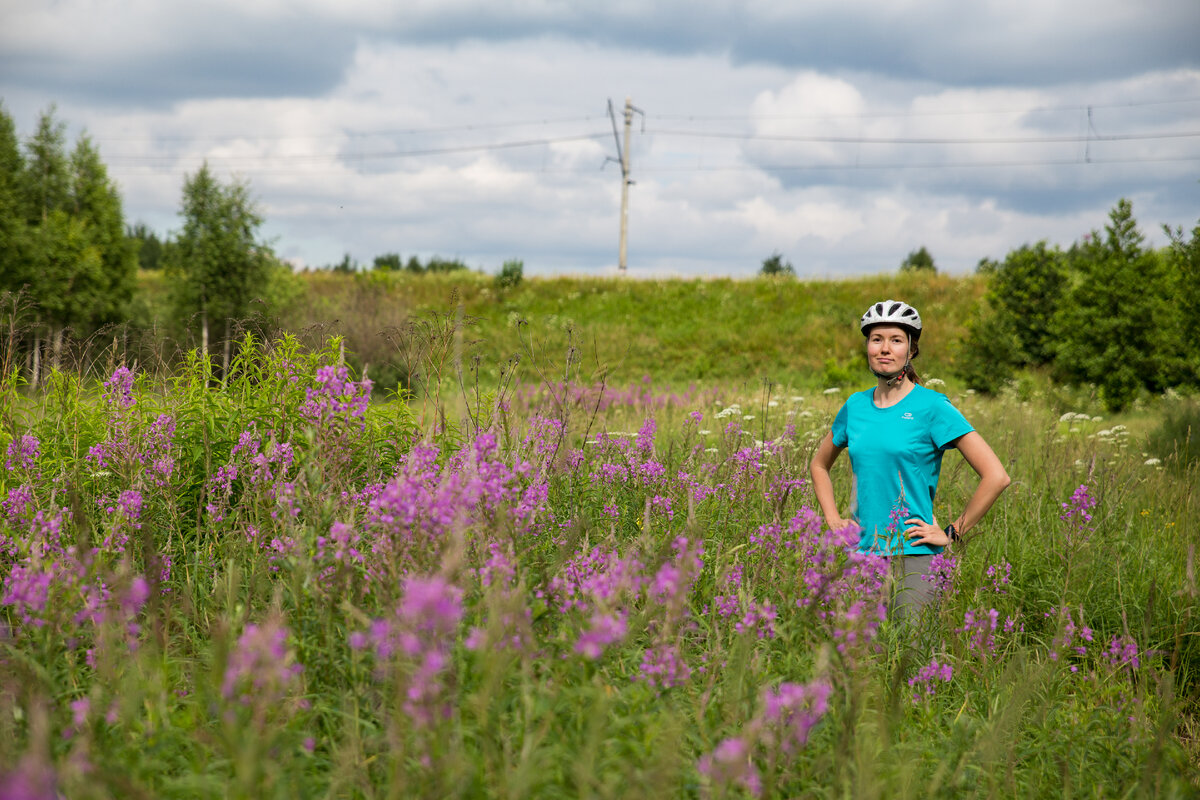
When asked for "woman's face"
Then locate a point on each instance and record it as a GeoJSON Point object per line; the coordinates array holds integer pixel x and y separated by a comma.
{"type": "Point", "coordinates": [887, 348]}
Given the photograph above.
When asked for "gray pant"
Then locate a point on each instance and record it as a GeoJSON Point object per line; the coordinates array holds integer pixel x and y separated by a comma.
{"type": "Point", "coordinates": [911, 593]}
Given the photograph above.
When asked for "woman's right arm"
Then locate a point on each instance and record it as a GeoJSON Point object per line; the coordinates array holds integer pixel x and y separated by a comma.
{"type": "Point", "coordinates": [822, 461]}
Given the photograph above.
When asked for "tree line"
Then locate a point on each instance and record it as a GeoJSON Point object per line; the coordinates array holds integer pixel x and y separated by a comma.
{"type": "Point", "coordinates": [1107, 311]}
{"type": "Point", "coordinates": [69, 264]}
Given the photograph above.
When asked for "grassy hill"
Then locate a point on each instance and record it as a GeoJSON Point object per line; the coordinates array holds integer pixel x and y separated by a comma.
{"type": "Point", "coordinates": [793, 332]}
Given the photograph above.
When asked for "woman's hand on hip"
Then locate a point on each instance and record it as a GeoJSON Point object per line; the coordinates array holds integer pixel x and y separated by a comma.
{"type": "Point", "coordinates": [921, 532]}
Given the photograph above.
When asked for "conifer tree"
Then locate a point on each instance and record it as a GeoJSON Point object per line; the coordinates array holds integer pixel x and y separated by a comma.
{"type": "Point", "coordinates": [1109, 330]}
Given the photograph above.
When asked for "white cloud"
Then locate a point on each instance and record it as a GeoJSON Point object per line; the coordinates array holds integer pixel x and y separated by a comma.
{"type": "Point", "coordinates": [333, 112]}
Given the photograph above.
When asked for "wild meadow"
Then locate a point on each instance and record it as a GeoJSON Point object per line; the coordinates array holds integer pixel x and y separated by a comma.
{"type": "Point", "coordinates": [271, 582]}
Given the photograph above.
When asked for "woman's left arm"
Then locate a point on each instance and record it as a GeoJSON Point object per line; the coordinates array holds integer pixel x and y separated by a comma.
{"type": "Point", "coordinates": [993, 479]}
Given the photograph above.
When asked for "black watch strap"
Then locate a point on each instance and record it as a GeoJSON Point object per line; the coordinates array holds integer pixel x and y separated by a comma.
{"type": "Point", "coordinates": [952, 532]}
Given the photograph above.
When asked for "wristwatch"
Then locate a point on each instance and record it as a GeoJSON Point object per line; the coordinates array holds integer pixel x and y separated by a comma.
{"type": "Point", "coordinates": [952, 532]}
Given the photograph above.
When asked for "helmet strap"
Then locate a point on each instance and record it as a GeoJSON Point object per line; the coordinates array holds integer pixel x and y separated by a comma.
{"type": "Point", "coordinates": [894, 377]}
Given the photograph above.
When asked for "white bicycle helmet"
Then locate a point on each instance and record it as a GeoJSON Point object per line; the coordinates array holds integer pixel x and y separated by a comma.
{"type": "Point", "coordinates": [892, 312]}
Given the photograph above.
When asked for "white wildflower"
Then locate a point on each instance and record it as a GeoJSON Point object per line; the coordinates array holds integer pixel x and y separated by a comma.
{"type": "Point", "coordinates": [1153, 462]}
{"type": "Point", "coordinates": [704, 432]}
{"type": "Point", "coordinates": [772, 403]}
{"type": "Point", "coordinates": [710, 449]}
{"type": "Point", "coordinates": [832, 390]}
{"type": "Point", "coordinates": [935, 382]}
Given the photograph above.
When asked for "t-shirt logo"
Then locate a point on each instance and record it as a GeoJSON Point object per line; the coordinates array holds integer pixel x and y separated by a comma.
{"type": "Point", "coordinates": [906, 415]}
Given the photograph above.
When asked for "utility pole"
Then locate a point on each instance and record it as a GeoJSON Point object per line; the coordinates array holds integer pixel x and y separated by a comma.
{"type": "Point", "coordinates": [623, 160]}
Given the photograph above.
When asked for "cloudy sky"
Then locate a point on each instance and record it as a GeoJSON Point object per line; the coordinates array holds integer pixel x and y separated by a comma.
{"type": "Point", "coordinates": [842, 134]}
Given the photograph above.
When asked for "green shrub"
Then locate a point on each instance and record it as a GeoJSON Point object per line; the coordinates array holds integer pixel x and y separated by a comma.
{"type": "Point", "coordinates": [1176, 440]}
{"type": "Point", "coordinates": [774, 265]}
{"type": "Point", "coordinates": [511, 274]}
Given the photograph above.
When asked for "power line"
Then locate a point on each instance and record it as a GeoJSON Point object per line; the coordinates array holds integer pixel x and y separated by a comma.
{"type": "Point", "coordinates": [856, 166]}
{"type": "Point", "coordinates": [364, 156]}
{"type": "Point", "coordinates": [1076, 139]}
{"type": "Point", "coordinates": [905, 165]}
{"type": "Point", "coordinates": [918, 114]}
{"type": "Point", "coordinates": [242, 135]}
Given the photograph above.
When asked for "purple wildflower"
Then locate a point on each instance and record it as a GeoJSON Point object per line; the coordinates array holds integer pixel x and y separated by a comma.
{"type": "Point", "coordinates": [663, 667]}
{"type": "Point", "coordinates": [730, 764]}
{"type": "Point", "coordinates": [791, 711]}
{"type": "Point", "coordinates": [925, 681]}
{"type": "Point", "coordinates": [261, 669]}
{"type": "Point", "coordinates": [23, 452]}
{"type": "Point", "coordinates": [605, 629]}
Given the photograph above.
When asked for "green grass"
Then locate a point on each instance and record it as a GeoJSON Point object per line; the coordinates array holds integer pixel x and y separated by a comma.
{"type": "Point", "coordinates": [678, 331]}
{"type": "Point", "coordinates": [1029, 717]}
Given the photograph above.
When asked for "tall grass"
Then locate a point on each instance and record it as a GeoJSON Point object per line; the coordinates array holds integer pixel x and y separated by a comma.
{"type": "Point", "coordinates": [270, 584]}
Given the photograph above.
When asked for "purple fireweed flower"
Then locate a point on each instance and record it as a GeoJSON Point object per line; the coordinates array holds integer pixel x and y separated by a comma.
{"type": "Point", "coordinates": [157, 445]}
{"type": "Point", "coordinates": [663, 667]}
{"type": "Point", "coordinates": [673, 580]}
{"type": "Point", "coordinates": [1122, 652]}
{"type": "Point", "coordinates": [26, 591]}
{"type": "Point", "coordinates": [645, 436]}
{"type": "Point", "coordinates": [925, 681]}
{"type": "Point", "coordinates": [782, 487]}
{"type": "Point", "coordinates": [758, 619]}
{"type": "Point", "coordinates": [261, 668]}
{"type": "Point", "coordinates": [499, 567]}
{"type": "Point", "coordinates": [23, 452]}
{"type": "Point", "coordinates": [544, 437]}
{"type": "Point", "coordinates": [336, 397]}
{"type": "Point", "coordinates": [18, 505]}
{"type": "Point", "coordinates": [32, 779]}
{"type": "Point", "coordinates": [420, 633]}
{"type": "Point", "coordinates": [1078, 509]}
{"type": "Point", "coordinates": [119, 388]}
{"type": "Point", "coordinates": [729, 764]}
{"type": "Point", "coordinates": [1001, 575]}
{"type": "Point", "coordinates": [766, 541]}
{"type": "Point", "coordinates": [652, 473]}
{"type": "Point", "coordinates": [1070, 633]}
{"type": "Point", "coordinates": [942, 569]}
{"type": "Point", "coordinates": [603, 630]}
{"type": "Point", "coordinates": [341, 546]}
{"type": "Point", "coordinates": [857, 624]}
{"type": "Point", "coordinates": [80, 709]}
{"type": "Point", "coordinates": [791, 712]}
{"type": "Point", "coordinates": [980, 629]}
{"type": "Point", "coordinates": [726, 605]}
{"type": "Point", "coordinates": [600, 576]}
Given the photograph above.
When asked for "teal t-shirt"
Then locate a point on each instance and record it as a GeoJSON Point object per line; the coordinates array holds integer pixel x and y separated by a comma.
{"type": "Point", "coordinates": [896, 457]}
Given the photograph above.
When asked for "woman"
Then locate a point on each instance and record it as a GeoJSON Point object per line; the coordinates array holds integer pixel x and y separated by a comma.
{"type": "Point", "coordinates": [896, 434]}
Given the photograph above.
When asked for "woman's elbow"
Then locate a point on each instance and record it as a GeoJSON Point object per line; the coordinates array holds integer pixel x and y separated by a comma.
{"type": "Point", "coordinates": [1002, 479]}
